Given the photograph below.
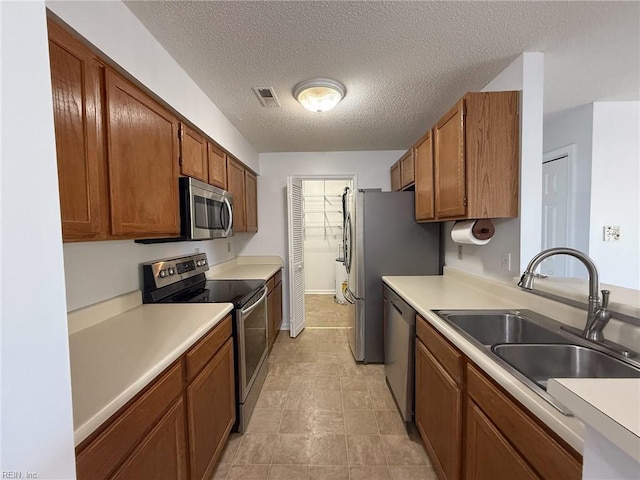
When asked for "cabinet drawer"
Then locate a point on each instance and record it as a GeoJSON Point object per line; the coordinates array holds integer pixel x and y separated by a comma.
{"type": "Point", "coordinates": [547, 456]}
{"type": "Point", "coordinates": [206, 348]}
{"type": "Point", "coordinates": [105, 452]}
{"type": "Point", "coordinates": [448, 356]}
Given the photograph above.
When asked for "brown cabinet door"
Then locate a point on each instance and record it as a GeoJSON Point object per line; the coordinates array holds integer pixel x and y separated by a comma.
{"type": "Point", "coordinates": [251, 196]}
{"type": "Point", "coordinates": [424, 178]}
{"type": "Point", "coordinates": [438, 413]}
{"type": "Point", "coordinates": [193, 154]}
{"type": "Point", "coordinates": [162, 453]}
{"type": "Point", "coordinates": [142, 142]}
{"type": "Point", "coordinates": [235, 185]}
{"type": "Point", "coordinates": [396, 183]}
{"type": "Point", "coordinates": [217, 167]}
{"type": "Point", "coordinates": [211, 411]}
{"type": "Point", "coordinates": [278, 307]}
{"type": "Point", "coordinates": [271, 317]}
{"type": "Point", "coordinates": [76, 80]}
{"type": "Point", "coordinates": [407, 170]}
{"type": "Point", "coordinates": [449, 163]}
{"type": "Point", "coordinates": [488, 455]}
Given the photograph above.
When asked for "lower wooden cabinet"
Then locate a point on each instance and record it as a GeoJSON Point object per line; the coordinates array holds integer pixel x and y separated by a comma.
{"type": "Point", "coordinates": [212, 412]}
{"type": "Point", "coordinates": [274, 307]}
{"type": "Point", "coordinates": [162, 454]}
{"type": "Point", "coordinates": [488, 454]}
{"type": "Point", "coordinates": [438, 413]}
{"type": "Point", "coordinates": [177, 427]}
{"type": "Point", "coordinates": [501, 440]}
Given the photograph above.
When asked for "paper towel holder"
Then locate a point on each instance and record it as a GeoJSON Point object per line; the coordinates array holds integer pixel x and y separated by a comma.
{"type": "Point", "coordinates": [483, 229]}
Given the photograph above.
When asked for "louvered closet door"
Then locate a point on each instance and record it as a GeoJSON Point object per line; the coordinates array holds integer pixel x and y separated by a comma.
{"type": "Point", "coordinates": [296, 256]}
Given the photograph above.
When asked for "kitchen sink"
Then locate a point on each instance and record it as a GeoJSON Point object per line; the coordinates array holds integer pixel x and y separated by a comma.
{"type": "Point", "coordinates": [490, 328]}
{"type": "Point", "coordinates": [539, 363]}
{"type": "Point", "coordinates": [535, 348]}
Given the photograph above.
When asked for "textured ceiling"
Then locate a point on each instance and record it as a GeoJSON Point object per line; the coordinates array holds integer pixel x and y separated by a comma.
{"type": "Point", "coordinates": [403, 63]}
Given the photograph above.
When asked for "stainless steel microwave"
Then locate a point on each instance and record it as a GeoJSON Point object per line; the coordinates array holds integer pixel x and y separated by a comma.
{"type": "Point", "coordinates": [206, 212]}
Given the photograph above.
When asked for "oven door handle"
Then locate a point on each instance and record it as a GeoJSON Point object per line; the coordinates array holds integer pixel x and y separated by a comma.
{"type": "Point", "coordinates": [226, 202]}
{"type": "Point", "coordinates": [247, 311]}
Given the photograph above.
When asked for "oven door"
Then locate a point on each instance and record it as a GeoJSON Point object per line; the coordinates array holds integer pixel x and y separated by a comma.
{"type": "Point", "coordinates": [252, 342]}
{"type": "Point", "coordinates": [211, 212]}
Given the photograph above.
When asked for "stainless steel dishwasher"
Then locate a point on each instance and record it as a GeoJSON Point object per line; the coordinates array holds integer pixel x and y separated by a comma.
{"type": "Point", "coordinates": [399, 348]}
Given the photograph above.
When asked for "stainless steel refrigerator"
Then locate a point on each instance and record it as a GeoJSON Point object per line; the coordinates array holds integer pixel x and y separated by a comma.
{"type": "Point", "coordinates": [381, 237]}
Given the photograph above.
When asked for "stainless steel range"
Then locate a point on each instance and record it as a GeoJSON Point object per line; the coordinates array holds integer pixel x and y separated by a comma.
{"type": "Point", "coordinates": [182, 280]}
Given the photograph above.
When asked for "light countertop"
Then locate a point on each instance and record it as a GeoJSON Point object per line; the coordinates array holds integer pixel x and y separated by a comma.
{"type": "Point", "coordinates": [114, 358]}
{"type": "Point", "coordinates": [456, 290]}
{"type": "Point", "coordinates": [246, 268]}
{"type": "Point", "coordinates": [609, 405]}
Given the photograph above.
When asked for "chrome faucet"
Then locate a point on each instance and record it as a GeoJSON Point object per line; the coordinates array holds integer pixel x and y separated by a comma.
{"type": "Point", "coordinates": [597, 313]}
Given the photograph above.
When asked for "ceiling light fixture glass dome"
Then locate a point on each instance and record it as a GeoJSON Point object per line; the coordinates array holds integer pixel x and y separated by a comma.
{"type": "Point", "coordinates": [319, 94]}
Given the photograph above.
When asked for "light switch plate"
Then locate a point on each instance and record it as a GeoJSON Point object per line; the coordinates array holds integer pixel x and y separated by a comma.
{"type": "Point", "coordinates": [611, 233]}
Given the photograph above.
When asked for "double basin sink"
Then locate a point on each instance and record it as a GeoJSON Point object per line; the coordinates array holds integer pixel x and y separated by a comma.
{"type": "Point", "coordinates": [535, 348]}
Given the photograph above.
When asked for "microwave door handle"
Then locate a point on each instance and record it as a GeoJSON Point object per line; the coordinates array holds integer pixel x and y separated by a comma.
{"type": "Point", "coordinates": [226, 202]}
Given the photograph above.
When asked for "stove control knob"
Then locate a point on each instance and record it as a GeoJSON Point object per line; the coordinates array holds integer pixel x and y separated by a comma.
{"type": "Point", "coordinates": [204, 262]}
{"type": "Point", "coordinates": [163, 273]}
{"type": "Point", "coordinates": [197, 263]}
{"type": "Point", "coordinates": [172, 271]}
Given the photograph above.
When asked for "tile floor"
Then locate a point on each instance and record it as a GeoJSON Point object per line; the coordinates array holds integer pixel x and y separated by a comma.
{"type": "Point", "coordinates": [322, 416]}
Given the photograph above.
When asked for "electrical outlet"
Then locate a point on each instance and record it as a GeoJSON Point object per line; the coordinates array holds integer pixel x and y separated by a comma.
{"type": "Point", "coordinates": [505, 261]}
{"type": "Point", "coordinates": [228, 246]}
{"type": "Point", "coordinates": [611, 233]}
{"type": "Point", "coordinates": [197, 249]}
{"type": "Point", "coordinates": [459, 252]}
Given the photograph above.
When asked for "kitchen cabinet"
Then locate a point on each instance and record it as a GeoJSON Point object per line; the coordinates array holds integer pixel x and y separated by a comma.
{"type": "Point", "coordinates": [501, 439]}
{"type": "Point", "coordinates": [142, 146]}
{"type": "Point", "coordinates": [425, 208]}
{"type": "Point", "coordinates": [438, 413]}
{"type": "Point", "coordinates": [476, 158]}
{"type": "Point", "coordinates": [274, 307]}
{"type": "Point", "coordinates": [489, 456]}
{"type": "Point", "coordinates": [402, 172]}
{"type": "Point", "coordinates": [177, 426]}
{"type": "Point", "coordinates": [193, 154]}
{"type": "Point", "coordinates": [396, 182]}
{"type": "Point", "coordinates": [217, 166]}
{"type": "Point", "coordinates": [243, 184]}
{"type": "Point", "coordinates": [77, 82]}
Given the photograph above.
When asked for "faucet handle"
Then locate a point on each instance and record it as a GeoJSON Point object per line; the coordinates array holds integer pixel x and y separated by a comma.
{"type": "Point", "coordinates": [605, 298]}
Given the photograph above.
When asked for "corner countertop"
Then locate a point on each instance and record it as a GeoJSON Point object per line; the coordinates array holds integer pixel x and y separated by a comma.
{"type": "Point", "coordinates": [246, 268]}
{"type": "Point", "coordinates": [457, 290]}
{"type": "Point", "coordinates": [609, 405]}
{"type": "Point", "coordinates": [115, 354]}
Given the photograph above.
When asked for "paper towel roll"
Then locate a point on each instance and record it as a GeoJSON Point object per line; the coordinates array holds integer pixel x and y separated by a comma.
{"type": "Point", "coordinates": [472, 232]}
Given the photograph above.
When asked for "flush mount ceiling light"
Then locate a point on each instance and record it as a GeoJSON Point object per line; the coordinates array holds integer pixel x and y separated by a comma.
{"type": "Point", "coordinates": [319, 94]}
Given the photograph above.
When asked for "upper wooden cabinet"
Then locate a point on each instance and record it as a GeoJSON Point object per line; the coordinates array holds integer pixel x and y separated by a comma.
{"type": "Point", "coordinates": [251, 197]}
{"type": "Point", "coordinates": [142, 144]}
{"type": "Point", "coordinates": [403, 172]}
{"type": "Point", "coordinates": [243, 184]}
{"type": "Point", "coordinates": [425, 209]}
{"type": "Point", "coordinates": [396, 183]}
{"type": "Point", "coordinates": [193, 154]}
{"type": "Point", "coordinates": [476, 158]}
{"type": "Point", "coordinates": [76, 80]}
{"type": "Point", "coordinates": [217, 166]}
{"type": "Point", "coordinates": [407, 172]}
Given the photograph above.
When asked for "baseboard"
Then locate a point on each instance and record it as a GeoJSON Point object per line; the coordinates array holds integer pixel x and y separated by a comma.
{"type": "Point", "coordinates": [320, 292]}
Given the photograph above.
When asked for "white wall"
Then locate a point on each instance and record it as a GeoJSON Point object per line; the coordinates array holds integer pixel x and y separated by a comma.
{"type": "Point", "coordinates": [132, 47]}
{"type": "Point", "coordinates": [519, 236]}
{"type": "Point", "coordinates": [36, 419]}
{"type": "Point", "coordinates": [615, 187]}
{"type": "Point", "coordinates": [371, 168]}
{"type": "Point", "coordinates": [574, 126]}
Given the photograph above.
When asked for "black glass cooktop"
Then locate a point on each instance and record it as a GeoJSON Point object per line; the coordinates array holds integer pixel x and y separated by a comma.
{"type": "Point", "coordinates": [238, 292]}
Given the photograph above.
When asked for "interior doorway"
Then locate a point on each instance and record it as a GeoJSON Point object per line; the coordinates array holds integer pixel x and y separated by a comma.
{"type": "Point", "coordinates": [318, 265]}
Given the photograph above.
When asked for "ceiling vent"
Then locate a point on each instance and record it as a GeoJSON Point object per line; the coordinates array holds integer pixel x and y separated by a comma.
{"type": "Point", "coordinates": [267, 96]}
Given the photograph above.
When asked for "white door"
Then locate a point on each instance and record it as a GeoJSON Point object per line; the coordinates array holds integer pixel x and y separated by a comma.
{"type": "Point", "coordinates": [296, 255]}
{"type": "Point", "coordinates": [555, 199]}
